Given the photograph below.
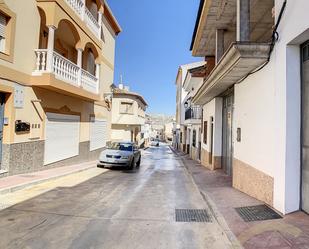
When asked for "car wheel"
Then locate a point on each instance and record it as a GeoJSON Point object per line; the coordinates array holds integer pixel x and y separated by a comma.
{"type": "Point", "coordinates": [131, 165]}
{"type": "Point", "coordinates": [138, 162]}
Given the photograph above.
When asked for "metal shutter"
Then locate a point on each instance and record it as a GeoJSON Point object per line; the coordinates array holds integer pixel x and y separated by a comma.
{"type": "Point", "coordinates": [61, 137]}
{"type": "Point", "coordinates": [2, 25]}
{"type": "Point", "coordinates": [98, 133]}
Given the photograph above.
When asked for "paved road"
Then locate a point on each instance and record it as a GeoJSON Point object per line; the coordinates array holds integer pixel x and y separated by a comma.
{"type": "Point", "coordinates": [117, 209]}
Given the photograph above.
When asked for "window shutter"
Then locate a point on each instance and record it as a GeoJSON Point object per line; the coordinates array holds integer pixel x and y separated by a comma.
{"type": "Point", "coordinates": [2, 25]}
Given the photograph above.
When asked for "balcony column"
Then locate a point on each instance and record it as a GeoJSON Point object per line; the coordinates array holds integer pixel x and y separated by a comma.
{"type": "Point", "coordinates": [50, 48]}
{"type": "Point", "coordinates": [79, 64]}
{"type": "Point", "coordinates": [83, 9]}
{"type": "Point", "coordinates": [243, 20]}
{"type": "Point", "coordinates": [97, 75]}
{"type": "Point", "coordinates": [219, 44]}
{"type": "Point", "coordinates": [100, 15]}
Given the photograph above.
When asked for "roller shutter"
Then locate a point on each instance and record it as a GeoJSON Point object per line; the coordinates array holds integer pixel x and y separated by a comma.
{"type": "Point", "coordinates": [62, 137]}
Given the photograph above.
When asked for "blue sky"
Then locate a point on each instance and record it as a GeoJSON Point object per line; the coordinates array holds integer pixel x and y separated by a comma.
{"type": "Point", "coordinates": [155, 40]}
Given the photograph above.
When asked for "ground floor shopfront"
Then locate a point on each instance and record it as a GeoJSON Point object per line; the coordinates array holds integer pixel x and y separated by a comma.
{"type": "Point", "coordinates": [41, 129]}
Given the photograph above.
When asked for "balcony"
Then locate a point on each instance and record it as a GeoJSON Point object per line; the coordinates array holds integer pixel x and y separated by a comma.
{"type": "Point", "coordinates": [194, 113]}
{"type": "Point", "coordinates": [93, 23]}
{"type": "Point", "coordinates": [64, 70]}
{"type": "Point", "coordinates": [237, 63]}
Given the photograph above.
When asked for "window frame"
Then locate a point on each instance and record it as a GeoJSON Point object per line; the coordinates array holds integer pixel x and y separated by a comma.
{"type": "Point", "coordinates": [9, 39]}
{"type": "Point", "coordinates": [126, 103]}
{"type": "Point", "coordinates": [194, 138]}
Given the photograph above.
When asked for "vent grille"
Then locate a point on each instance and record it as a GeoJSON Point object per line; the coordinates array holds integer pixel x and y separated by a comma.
{"type": "Point", "coordinates": [256, 213]}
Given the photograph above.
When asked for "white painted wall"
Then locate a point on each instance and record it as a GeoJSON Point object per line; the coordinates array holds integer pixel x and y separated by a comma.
{"type": "Point", "coordinates": [267, 109]}
{"type": "Point", "coordinates": [136, 118]}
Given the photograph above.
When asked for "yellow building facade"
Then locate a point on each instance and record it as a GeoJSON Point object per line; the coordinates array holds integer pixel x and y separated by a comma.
{"type": "Point", "coordinates": [56, 69]}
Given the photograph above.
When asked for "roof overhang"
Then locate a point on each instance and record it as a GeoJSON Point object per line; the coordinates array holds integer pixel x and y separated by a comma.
{"type": "Point", "coordinates": [192, 80]}
{"type": "Point", "coordinates": [238, 61]}
{"type": "Point", "coordinates": [136, 95]}
{"type": "Point", "coordinates": [111, 18]}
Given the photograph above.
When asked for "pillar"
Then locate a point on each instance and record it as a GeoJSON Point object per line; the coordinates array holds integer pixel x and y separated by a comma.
{"type": "Point", "coordinates": [219, 44]}
{"type": "Point", "coordinates": [97, 75]}
{"type": "Point", "coordinates": [83, 9]}
{"type": "Point", "coordinates": [243, 20]}
{"type": "Point", "coordinates": [79, 64]}
{"type": "Point", "coordinates": [100, 15]}
{"type": "Point", "coordinates": [50, 48]}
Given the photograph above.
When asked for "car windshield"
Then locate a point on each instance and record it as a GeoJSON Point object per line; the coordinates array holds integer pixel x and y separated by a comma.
{"type": "Point", "coordinates": [121, 146]}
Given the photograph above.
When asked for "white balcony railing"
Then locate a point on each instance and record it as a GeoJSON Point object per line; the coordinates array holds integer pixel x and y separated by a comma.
{"type": "Point", "coordinates": [89, 82]}
{"type": "Point", "coordinates": [77, 6]}
{"type": "Point", "coordinates": [65, 70]}
{"type": "Point", "coordinates": [80, 9]}
{"type": "Point", "coordinates": [92, 22]}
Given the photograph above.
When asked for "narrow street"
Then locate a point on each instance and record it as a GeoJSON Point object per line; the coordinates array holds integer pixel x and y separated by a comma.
{"type": "Point", "coordinates": [116, 209]}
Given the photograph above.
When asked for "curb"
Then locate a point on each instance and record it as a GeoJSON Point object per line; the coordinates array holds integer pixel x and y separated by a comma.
{"type": "Point", "coordinates": [213, 209]}
{"type": "Point", "coordinates": [36, 182]}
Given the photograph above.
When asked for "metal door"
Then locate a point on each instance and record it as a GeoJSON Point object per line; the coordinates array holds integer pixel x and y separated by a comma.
{"type": "Point", "coordinates": [2, 100]}
{"type": "Point", "coordinates": [227, 140]}
{"type": "Point", "coordinates": [305, 128]}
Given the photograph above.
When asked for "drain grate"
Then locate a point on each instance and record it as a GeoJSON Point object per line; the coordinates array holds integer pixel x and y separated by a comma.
{"type": "Point", "coordinates": [192, 215]}
{"type": "Point", "coordinates": [256, 213]}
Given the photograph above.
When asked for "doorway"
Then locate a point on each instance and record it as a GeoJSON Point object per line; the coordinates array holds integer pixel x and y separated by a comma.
{"type": "Point", "coordinates": [211, 140]}
{"type": "Point", "coordinates": [227, 139]}
{"type": "Point", "coordinates": [305, 128]}
{"type": "Point", "coordinates": [2, 101]}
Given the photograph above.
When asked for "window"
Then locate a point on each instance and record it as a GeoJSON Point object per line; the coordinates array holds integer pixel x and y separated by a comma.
{"type": "Point", "coordinates": [3, 23]}
{"type": "Point", "coordinates": [126, 107]}
{"type": "Point", "coordinates": [205, 132]}
{"type": "Point", "coordinates": [194, 138]}
{"type": "Point", "coordinates": [7, 32]}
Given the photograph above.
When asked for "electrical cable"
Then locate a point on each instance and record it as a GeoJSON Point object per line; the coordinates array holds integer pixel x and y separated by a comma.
{"type": "Point", "coordinates": [274, 39]}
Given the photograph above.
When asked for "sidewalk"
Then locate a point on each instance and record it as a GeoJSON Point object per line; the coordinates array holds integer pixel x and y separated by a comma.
{"type": "Point", "coordinates": [17, 182]}
{"type": "Point", "coordinates": [292, 231]}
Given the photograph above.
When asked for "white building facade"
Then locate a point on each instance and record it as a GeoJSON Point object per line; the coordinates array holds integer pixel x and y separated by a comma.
{"type": "Point", "coordinates": [128, 116]}
{"type": "Point", "coordinates": [255, 99]}
{"type": "Point", "coordinates": [183, 134]}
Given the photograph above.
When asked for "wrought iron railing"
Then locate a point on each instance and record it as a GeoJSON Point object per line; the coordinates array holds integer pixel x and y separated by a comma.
{"type": "Point", "coordinates": [194, 112]}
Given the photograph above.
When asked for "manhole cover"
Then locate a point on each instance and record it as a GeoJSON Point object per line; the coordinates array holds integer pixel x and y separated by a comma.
{"type": "Point", "coordinates": [192, 215]}
{"type": "Point", "coordinates": [256, 213]}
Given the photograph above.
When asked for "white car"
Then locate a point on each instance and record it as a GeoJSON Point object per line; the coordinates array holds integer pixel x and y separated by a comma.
{"type": "Point", "coordinates": [125, 154]}
{"type": "Point", "coordinates": [155, 143]}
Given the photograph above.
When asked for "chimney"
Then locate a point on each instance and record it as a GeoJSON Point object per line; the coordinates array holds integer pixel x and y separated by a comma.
{"type": "Point", "coordinates": [120, 86]}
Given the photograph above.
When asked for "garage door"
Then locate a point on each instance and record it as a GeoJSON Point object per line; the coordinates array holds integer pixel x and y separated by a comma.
{"type": "Point", "coordinates": [98, 133]}
{"type": "Point", "coordinates": [62, 137]}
